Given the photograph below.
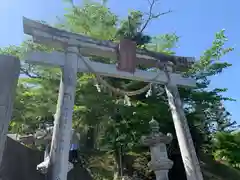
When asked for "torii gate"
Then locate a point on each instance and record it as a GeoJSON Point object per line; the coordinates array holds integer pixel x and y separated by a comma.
{"type": "Point", "coordinates": [72, 62]}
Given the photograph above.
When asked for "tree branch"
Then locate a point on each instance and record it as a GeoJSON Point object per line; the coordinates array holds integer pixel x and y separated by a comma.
{"type": "Point", "coordinates": [27, 73]}
{"type": "Point", "coordinates": [151, 15]}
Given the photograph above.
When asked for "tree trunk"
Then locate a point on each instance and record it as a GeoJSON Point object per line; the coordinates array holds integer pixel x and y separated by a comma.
{"type": "Point", "coordinates": [118, 172]}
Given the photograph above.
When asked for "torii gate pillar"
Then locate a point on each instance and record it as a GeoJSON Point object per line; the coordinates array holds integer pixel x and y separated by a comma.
{"type": "Point", "coordinates": [59, 154]}
{"type": "Point", "coordinates": [188, 153]}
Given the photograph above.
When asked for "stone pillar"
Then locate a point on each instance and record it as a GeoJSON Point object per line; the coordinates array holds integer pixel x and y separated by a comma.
{"type": "Point", "coordinates": [9, 73]}
{"type": "Point", "coordinates": [157, 141]}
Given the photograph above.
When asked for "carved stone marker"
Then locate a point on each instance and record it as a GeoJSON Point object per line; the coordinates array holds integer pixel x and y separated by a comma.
{"type": "Point", "coordinates": [9, 73]}
{"type": "Point", "coordinates": [157, 141]}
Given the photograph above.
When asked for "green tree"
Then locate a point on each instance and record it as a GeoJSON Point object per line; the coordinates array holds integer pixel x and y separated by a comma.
{"type": "Point", "coordinates": [227, 148]}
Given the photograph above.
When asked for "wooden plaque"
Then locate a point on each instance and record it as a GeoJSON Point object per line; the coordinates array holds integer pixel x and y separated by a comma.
{"type": "Point", "coordinates": [127, 56]}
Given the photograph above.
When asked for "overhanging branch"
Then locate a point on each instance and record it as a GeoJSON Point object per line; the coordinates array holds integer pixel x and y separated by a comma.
{"type": "Point", "coordinates": [151, 16]}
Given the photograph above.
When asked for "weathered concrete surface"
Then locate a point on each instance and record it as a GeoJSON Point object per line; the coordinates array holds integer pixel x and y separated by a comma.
{"type": "Point", "coordinates": [9, 73]}
{"type": "Point", "coordinates": [19, 163]}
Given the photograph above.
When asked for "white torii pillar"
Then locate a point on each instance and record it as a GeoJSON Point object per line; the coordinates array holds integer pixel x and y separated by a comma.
{"type": "Point", "coordinates": [9, 73]}
{"type": "Point", "coordinates": [59, 154]}
{"type": "Point", "coordinates": [188, 153]}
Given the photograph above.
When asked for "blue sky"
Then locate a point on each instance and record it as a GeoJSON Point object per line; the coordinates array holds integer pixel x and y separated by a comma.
{"type": "Point", "coordinates": [195, 21]}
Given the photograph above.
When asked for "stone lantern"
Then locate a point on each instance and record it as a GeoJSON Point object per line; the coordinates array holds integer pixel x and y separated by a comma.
{"type": "Point", "coordinates": [157, 141]}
